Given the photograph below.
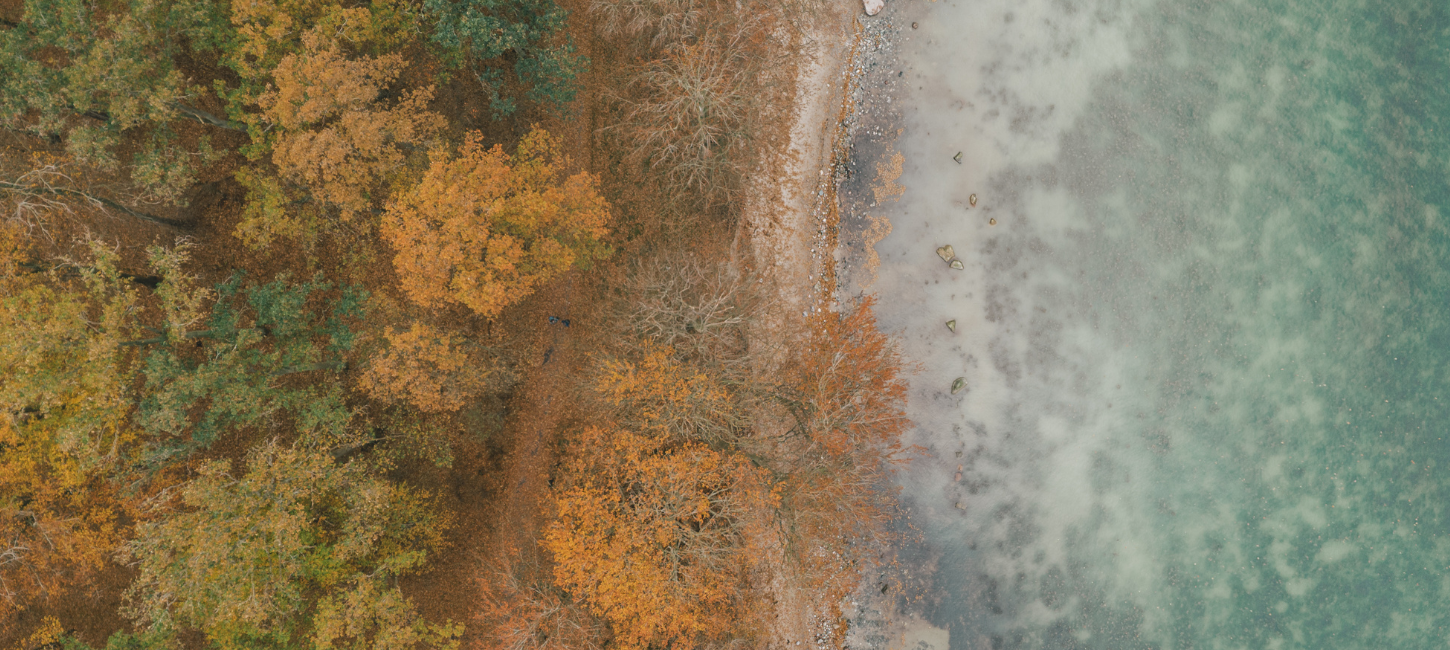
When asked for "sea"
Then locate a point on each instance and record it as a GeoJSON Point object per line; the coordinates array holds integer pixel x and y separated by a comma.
{"type": "Point", "coordinates": [1201, 324]}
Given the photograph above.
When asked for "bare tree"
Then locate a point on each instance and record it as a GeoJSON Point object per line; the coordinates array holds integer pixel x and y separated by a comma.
{"type": "Point", "coordinates": [691, 114]}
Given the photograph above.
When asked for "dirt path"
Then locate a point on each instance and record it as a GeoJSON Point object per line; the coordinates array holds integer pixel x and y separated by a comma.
{"type": "Point", "coordinates": [498, 489]}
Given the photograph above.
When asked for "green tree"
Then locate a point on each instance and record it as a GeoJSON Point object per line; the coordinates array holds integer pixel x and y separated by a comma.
{"type": "Point", "coordinates": [299, 550]}
{"type": "Point", "coordinates": [482, 34]}
{"type": "Point", "coordinates": [91, 74]}
{"type": "Point", "coordinates": [201, 382]}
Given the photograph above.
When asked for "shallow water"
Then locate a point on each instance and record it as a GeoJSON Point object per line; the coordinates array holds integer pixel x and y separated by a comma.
{"type": "Point", "coordinates": [1206, 342]}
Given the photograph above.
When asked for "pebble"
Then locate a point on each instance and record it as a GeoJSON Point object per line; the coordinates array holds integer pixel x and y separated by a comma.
{"type": "Point", "coordinates": [952, 325]}
{"type": "Point", "coordinates": [971, 200]}
{"type": "Point", "coordinates": [991, 222]}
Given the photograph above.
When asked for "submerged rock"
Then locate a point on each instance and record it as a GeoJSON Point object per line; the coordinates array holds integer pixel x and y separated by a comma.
{"type": "Point", "coordinates": [952, 325]}
{"type": "Point", "coordinates": [958, 385]}
{"type": "Point", "coordinates": [946, 253]}
{"type": "Point", "coordinates": [971, 200]}
{"type": "Point", "coordinates": [957, 264]}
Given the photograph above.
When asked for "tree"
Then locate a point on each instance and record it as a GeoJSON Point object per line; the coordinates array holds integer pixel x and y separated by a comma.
{"type": "Point", "coordinates": [690, 114]}
{"type": "Point", "coordinates": [480, 33]}
{"type": "Point", "coordinates": [267, 31]}
{"type": "Point", "coordinates": [433, 370]}
{"type": "Point", "coordinates": [202, 382]}
{"type": "Point", "coordinates": [663, 21]}
{"type": "Point", "coordinates": [659, 392]}
{"type": "Point", "coordinates": [812, 427]}
{"type": "Point", "coordinates": [332, 136]}
{"type": "Point", "coordinates": [91, 75]}
{"type": "Point", "coordinates": [299, 549]}
{"type": "Point", "coordinates": [484, 230]}
{"type": "Point", "coordinates": [65, 379]}
{"type": "Point", "coordinates": [50, 186]}
{"type": "Point", "coordinates": [651, 535]}
{"type": "Point", "coordinates": [845, 390]}
{"type": "Point", "coordinates": [525, 610]}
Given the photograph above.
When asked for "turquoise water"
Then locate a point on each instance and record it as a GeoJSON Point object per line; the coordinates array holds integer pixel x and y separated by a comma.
{"type": "Point", "coordinates": [1207, 343]}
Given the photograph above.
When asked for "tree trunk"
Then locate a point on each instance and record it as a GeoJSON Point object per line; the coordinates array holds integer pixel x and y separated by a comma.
{"type": "Point", "coordinates": [61, 191]}
{"type": "Point", "coordinates": [207, 118]}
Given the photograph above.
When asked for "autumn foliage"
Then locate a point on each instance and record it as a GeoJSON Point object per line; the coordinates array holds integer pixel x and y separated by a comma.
{"type": "Point", "coordinates": [272, 446]}
{"type": "Point", "coordinates": [651, 533]}
{"type": "Point", "coordinates": [433, 370]}
{"type": "Point", "coordinates": [483, 229]}
{"type": "Point", "coordinates": [335, 137]}
{"type": "Point", "coordinates": [296, 549]}
{"type": "Point", "coordinates": [708, 466]}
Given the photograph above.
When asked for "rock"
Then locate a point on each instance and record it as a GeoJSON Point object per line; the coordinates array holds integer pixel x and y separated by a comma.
{"type": "Point", "coordinates": [913, 25]}
{"type": "Point", "coordinates": [971, 200]}
{"type": "Point", "coordinates": [992, 222]}
{"type": "Point", "coordinates": [958, 157]}
{"type": "Point", "coordinates": [952, 325]}
{"type": "Point", "coordinates": [957, 264]}
{"type": "Point", "coordinates": [960, 506]}
{"type": "Point", "coordinates": [958, 385]}
{"type": "Point", "coordinates": [946, 253]}
{"type": "Point", "coordinates": [873, 7]}
{"type": "Point", "coordinates": [958, 478]}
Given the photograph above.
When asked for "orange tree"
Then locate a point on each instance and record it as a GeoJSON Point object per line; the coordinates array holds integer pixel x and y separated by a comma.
{"type": "Point", "coordinates": [483, 229]}
{"type": "Point", "coordinates": [433, 370]}
{"type": "Point", "coordinates": [780, 449]}
{"type": "Point", "coordinates": [651, 532]}
{"type": "Point", "coordinates": [846, 393]}
{"type": "Point", "coordinates": [655, 528]}
{"type": "Point", "coordinates": [333, 138]}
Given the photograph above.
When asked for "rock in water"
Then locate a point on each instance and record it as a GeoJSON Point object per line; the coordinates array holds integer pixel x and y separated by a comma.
{"type": "Point", "coordinates": [957, 264]}
{"type": "Point", "coordinates": [946, 253]}
{"type": "Point", "coordinates": [958, 157]}
{"type": "Point", "coordinates": [952, 325]}
{"type": "Point", "coordinates": [971, 200]}
{"type": "Point", "coordinates": [958, 385]}
{"type": "Point", "coordinates": [873, 7]}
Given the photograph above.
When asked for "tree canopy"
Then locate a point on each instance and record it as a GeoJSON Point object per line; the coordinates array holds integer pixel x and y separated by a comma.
{"type": "Point", "coordinates": [483, 229]}
{"type": "Point", "coordinates": [478, 34]}
{"type": "Point", "coordinates": [91, 76]}
{"type": "Point", "coordinates": [298, 549]}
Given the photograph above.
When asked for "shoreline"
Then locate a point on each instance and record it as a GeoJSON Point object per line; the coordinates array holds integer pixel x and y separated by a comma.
{"type": "Point", "coordinates": [810, 231]}
{"type": "Point", "coordinates": [788, 222]}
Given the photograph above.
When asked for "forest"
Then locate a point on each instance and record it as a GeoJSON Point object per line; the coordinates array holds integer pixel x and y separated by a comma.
{"type": "Point", "coordinates": [419, 324]}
